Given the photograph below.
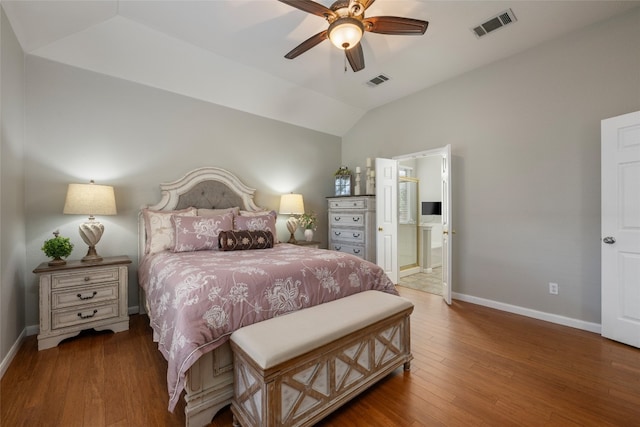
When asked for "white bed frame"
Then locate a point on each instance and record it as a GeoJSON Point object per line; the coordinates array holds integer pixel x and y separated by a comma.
{"type": "Point", "coordinates": [209, 382]}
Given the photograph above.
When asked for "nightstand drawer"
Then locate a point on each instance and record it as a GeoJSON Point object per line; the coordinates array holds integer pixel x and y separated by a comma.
{"type": "Point", "coordinates": [348, 235]}
{"type": "Point", "coordinates": [348, 203]}
{"type": "Point", "coordinates": [63, 319]}
{"type": "Point", "coordinates": [86, 277]}
{"type": "Point", "coordinates": [84, 296]}
{"type": "Point", "coordinates": [347, 219]}
{"type": "Point", "coordinates": [349, 249]}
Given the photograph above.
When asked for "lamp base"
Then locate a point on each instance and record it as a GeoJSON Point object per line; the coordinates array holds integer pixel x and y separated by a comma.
{"type": "Point", "coordinates": [91, 232]}
{"type": "Point", "coordinates": [92, 255]}
{"type": "Point", "coordinates": [292, 226]}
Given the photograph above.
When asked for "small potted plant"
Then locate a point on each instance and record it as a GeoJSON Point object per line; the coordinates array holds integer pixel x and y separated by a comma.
{"type": "Point", "coordinates": [309, 222]}
{"type": "Point", "coordinates": [57, 248]}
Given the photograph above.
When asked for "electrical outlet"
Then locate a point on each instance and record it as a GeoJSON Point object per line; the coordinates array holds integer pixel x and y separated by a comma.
{"type": "Point", "coordinates": [553, 288]}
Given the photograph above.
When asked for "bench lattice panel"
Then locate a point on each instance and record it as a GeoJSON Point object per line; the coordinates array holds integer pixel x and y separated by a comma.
{"type": "Point", "coordinates": [302, 391]}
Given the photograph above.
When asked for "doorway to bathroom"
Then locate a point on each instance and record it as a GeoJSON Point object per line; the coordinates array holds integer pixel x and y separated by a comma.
{"type": "Point", "coordinates": [420, 223]}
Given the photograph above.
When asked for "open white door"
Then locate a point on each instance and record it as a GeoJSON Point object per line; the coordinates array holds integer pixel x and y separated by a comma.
{"type": "Point", "coordinates": [621, 228]}
{"type": "Point", "coordinates": [387, 216]}
{"type": "Point", "coordinates": [447, 229]}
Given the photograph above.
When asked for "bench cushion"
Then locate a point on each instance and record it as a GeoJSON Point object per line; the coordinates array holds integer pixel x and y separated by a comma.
{"type": "Point", "coordinates": [274, 341]}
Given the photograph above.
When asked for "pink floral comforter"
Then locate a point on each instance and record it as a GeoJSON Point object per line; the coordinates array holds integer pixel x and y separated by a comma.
{"type": "Point", "coordinates": [197, 299]}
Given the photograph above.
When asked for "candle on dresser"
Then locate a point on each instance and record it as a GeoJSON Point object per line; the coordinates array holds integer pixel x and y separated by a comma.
{"type": "Point", "coordinates": [368, 162]}
{"type": "Point", "coordinates": [357, 169]}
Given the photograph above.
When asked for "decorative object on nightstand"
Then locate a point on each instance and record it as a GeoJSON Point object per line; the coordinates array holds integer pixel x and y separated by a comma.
{"type": "Point", "coordinates": [356, 189]}
{"type": "Point", "coordinates": [90, 199]}
{"type": "Point", "coordinates": [292, 204]}
{"type": "Point", "coordinates": [57, 248]}
{"type": "Point", "coordinates": [309, 222]}
{"type": "Point", "coordinates": [79, 295]}
{"type": "Point", "coordinates": [343, 181]}
{"type": "Point", "coordinates": [352, 222]}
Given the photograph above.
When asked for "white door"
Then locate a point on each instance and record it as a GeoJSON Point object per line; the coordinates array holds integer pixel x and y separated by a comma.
{"type": "Point", "coordinates": [447, 228]}
{"type": "Point", "coordinates": [621, 228]}
{"type": "Point", "coordinates": [387, 216]}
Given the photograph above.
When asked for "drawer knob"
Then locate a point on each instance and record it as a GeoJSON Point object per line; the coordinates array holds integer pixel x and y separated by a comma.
{"type": "Point", "coordinates": [88, 297]}
{"type": "Point", "coordinates": [87, 278]}
{"type": "Point", "coordinates": [337, 233]}
{"type": "Point", "coordinates": [87, 316]}
{"type": "Point", "coordinates": [355, 219]}
{"type": "Point", "coordinates": [337, 248]}
{"type": "Point", "coordinates": [356, 235]}
{"type": "Point", "coordinates": [336, 218]}
{"type": "Point", "coordinates": [356, 251]}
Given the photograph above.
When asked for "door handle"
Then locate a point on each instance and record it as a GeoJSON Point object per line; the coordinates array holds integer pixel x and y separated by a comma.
{"type": "Point", "coordinates": [609, 240]}
{"type": "Point", "coordinates": [447, 232]}
{"type": "Point", "coordinates": [379, 228]}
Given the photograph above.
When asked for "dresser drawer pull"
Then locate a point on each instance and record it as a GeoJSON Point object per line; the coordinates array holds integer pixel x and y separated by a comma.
{"type": "Point", "coordinates": [356, 219]}
{"type": "Point", "coordinates": [89, 297]}
{"type": "Point", "coordinates": [337, 218]}
{"type": "Point", "coordinates": [87, 316]}
{"type": "Point", "coordinates": [337, 248]}
{"type": "Point", "coordinates": [337, 233]}
{"type": "Point", "coordinates": [87, 278]}
{"type": "Point", "coordinates": [356, 235]}
{"type": "Point", "coordinates": [356, 251]}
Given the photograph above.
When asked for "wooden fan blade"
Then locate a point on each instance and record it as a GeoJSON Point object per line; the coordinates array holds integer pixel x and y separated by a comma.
{"type": "Point", "coordinates": [310, 7]}
{"type": "Point", "coordinates": [366, 3]}
{"type": "Point", "coordinates": [355, 56]}
{"type": "Point", "coordinates": [307, 44]}
{"type": "Point", "coordinates": [395, 26]}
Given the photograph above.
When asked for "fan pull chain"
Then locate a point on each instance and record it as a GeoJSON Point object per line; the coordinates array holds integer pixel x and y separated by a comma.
{"type": "Point", "coordinates": [345, 62]}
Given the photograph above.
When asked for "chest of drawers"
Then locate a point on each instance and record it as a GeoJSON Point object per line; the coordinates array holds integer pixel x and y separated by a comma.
{"type": "Point", "coordinates": [352, 222]}
{"type": "Point", "coordinates": [78, 296]}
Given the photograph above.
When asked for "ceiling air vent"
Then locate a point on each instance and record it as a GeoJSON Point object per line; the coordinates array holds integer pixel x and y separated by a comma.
{"type": "Point", "coordinates": [492, 24]}
{"type": "Point", "coordinates": [377, 80]}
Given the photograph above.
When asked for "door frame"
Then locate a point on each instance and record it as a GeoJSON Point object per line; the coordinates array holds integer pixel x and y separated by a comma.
{"type": "Point", "coordinates": [447, 227]}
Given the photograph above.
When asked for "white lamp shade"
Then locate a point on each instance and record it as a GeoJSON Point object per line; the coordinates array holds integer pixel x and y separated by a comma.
{"type": "Point", "coordinates": [345, 33]}
{"type": "Point", "coordinates": [291, 204]}
{"type": "Point", "coordinates": [90, 199]}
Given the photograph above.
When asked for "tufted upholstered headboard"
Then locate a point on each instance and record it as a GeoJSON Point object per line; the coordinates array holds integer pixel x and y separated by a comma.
{"type": "Point", "coordinates": [208, 188]}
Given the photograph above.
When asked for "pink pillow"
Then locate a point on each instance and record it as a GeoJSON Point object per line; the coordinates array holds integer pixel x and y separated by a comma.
{"type": "Point", "coordinates": [198, 233]}
{"type": "Point", "coordinates": [263, 222]}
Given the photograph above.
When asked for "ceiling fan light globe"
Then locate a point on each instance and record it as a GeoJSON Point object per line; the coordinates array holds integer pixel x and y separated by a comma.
{"type": "Point", "coordinates": [345, 33]}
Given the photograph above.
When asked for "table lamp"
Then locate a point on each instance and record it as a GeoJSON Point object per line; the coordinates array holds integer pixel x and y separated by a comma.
{"type": "Point", "coordinates": [90, 199]}
{"type": "Point", "coordinates": [292, 204]}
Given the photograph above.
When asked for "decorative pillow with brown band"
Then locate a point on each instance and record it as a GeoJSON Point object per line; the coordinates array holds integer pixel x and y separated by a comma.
{"type": "Point", "coordinates": [238, 240]}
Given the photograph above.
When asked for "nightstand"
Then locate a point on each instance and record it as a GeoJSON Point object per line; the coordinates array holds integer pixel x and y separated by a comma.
{"type": "Point", "coordinates": [80, 295]}
{"type": "Point", "coordinates": [311, 244]}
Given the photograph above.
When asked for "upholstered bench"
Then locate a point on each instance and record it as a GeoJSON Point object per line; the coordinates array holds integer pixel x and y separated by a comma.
{"type": "Point", "coordinates": [295, 369]}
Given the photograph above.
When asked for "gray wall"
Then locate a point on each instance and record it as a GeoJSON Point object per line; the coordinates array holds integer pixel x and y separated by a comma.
{"type": "Point", "coordinates": [12, 227]}
{"type": "Point", "coordinates": [82, 125]}
{"type": "Point", "coordinates": [525, 136]}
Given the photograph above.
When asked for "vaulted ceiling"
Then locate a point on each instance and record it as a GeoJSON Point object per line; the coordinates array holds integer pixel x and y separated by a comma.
{"type": "Point", "coordinates": [231, 52]}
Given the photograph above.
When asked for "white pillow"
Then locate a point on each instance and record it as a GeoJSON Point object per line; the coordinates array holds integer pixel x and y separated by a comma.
{"type": "Point", "coordinates": [160, 230]}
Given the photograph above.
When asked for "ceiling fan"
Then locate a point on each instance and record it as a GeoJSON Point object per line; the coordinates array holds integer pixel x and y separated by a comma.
{"type": "Point", "coordinates": [347, 24]}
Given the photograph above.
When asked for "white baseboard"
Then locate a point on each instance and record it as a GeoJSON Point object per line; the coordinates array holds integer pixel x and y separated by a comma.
{"type": "Point", "coordinates": [12, 353]}
{"type": "Point", "coordinates": [523, 311]}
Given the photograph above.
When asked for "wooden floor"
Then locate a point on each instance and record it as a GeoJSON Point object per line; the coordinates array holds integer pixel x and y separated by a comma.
{"type": "Point", "coordinates": [473, 366]}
